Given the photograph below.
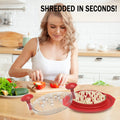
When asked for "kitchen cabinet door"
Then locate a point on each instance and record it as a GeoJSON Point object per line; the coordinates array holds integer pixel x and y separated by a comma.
{"type": "Point", "coordinates": [104, 68]}
{"type": "Point", "coordinates": [99, 64]}
{"type": "Point", "coordinates": [112, 79]}
{"type": "Point", "coordinates": [87, 78]}
{"type": "Point", "coordinates": [5, 64]}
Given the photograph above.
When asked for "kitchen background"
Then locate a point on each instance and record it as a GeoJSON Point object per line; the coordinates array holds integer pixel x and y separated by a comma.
{"type": "Point", "coordinates": [99, 28]}
{"type": "Point", "coordinates": [93, 29]}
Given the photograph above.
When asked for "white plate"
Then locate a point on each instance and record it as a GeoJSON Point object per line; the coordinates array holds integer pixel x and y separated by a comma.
{"type": "Point", "coordinates": [12, 96]}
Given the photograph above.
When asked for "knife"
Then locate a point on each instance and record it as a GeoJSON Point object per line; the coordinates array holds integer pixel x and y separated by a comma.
{"type": "Point", "coordinates": [49, 81]}
{"type": "Point", "coordinates": [55, 82]}
{"type": "Point", "coordinates": [45, 80]}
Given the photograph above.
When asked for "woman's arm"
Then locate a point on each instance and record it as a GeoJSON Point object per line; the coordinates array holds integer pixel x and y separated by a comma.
{"type": "Point", "coordinates": [73, 77]}
{"type": "Point", "coordinates": [16, 69]}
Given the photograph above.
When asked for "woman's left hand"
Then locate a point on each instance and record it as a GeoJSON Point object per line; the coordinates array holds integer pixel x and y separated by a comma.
{"type": "Point", "coordinates": [61, 79]}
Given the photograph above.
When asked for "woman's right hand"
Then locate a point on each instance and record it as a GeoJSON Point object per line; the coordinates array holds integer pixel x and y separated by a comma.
{"type": "Point", "coordinates": [35, 75]}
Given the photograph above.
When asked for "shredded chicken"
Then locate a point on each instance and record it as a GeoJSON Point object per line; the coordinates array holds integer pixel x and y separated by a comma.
{"type": "Point", "coordinates": [89, 97]}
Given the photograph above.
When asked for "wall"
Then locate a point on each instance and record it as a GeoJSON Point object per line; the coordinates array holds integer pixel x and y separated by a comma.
{"type": "Point", "coordinates": [25, 21]}
{"type": "Point", "coordinates": [99, 28]}
{"type": "Point", "coordinates": [98, 33]}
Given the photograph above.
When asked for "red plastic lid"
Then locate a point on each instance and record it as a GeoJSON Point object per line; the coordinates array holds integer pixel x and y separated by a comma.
{"type": "Point", "coordinates": [71, 85]}
{"type": "Point", "coordinates": [27, 97]}
{"type": "Point", "coordinates": [94, 107]}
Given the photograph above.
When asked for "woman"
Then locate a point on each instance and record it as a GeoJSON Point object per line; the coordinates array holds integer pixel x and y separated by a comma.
{"type": "Point", "coordinates": [54, 54]}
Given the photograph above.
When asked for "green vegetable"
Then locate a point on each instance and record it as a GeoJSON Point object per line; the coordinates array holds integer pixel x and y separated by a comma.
{"type": "Point", "coordinates": [100, 83]}
{"type": "Point", "coordinates": [20, 91]}
{"type": "Point", "coordinates": [13, 91]}
{"type": "Point", "coordinates": [6, 85]}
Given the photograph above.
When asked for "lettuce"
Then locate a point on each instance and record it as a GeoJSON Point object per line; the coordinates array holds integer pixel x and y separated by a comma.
{"type": "Point", "coordinates": [100, 83]}
{"type": "Point", "coordinates": [6, 85]}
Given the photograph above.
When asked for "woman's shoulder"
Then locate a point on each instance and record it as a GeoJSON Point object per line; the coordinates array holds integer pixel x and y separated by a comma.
{"type": "Point", "coordinates": [31, 46]}
{"type": "Point", "coordinates": [32, 43]}
{"type": "Point", "coordinates": [32, 40]}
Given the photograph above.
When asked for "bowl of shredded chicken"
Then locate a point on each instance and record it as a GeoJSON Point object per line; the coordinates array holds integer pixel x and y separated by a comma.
{"type": "Point", "coordinates": [89, 97]}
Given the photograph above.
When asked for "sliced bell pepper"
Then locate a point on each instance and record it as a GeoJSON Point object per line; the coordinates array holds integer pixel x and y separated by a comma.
{"type": "Point", "coordinates": [54, 85]}
{"type": "Point", "coordinates": [16, 87]}
{"type": "Point", "coordinates": [39, 85]}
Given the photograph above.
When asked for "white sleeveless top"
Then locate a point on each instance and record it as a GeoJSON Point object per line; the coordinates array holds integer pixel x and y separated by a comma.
{"type": "Point", "coordinates": [50, 68]}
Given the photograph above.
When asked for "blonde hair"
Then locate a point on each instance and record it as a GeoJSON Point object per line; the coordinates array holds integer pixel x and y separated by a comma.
{"type": "Point", "coordinates": [69, 38]}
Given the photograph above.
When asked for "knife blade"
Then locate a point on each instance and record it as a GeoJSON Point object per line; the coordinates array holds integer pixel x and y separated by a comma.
{"type": "Point", "coordinates": [49, 81]}
{"type": "Point", "coordinates": [45, 80]}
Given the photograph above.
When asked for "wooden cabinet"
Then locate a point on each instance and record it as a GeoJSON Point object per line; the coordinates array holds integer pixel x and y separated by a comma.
{"type": "Point", "coordinates": [92, 69]}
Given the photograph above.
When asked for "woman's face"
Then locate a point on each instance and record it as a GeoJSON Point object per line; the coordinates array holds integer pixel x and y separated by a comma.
{"type": "Point", "coordinates": [56, 28]}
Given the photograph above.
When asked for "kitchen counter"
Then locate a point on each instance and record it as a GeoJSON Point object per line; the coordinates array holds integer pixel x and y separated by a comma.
{"type": "Point", "coordinates": [110, 53]}
{"type": "Point", "coordinates": [6, 50]}
{"type": "Point", "coordinates": [14, 109]}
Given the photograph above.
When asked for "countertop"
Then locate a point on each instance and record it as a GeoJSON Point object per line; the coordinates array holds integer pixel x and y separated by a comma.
{"type": "Point", "coordinates": [14, 109]}
{"type": "Point", "coordinates": [109, 53]}
{"type": "Point", "coordinates": [6, 50]}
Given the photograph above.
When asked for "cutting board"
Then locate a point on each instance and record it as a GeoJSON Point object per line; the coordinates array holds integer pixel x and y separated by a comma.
{"type": "Point", "coordinates": [46, 89]}
{"type": "Point", "coordinates": [11, 39]}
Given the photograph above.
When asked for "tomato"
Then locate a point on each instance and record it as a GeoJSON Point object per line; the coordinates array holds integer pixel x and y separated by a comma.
{"type": "Point", "coordinates": [39, 85]}
{"type": "Point", "coordinates": [9, 80]}
{"type": "Point", "coordinates": [54, 85]}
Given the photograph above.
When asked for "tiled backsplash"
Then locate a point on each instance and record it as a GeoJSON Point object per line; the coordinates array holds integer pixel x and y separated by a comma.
{"type": "Point", "coordinates": [98, 33]}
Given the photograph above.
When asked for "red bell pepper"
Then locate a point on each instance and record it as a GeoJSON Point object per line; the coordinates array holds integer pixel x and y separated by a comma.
{"type": "Point", "coordinates": [54, 85]}
{"type": "Point", "coordinates": [16, 87]}
{"type": "Point", "coordinates": [39, 85]}
{"type": "Point", "coordinates": [9, 80]}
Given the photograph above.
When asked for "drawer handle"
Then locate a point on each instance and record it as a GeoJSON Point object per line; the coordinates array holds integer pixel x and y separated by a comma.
{"type": "Point", "coordinates": [80, 76]}
{"type": "Point", "coordinates": [116, 77]}
{"type": "Point", "coordinates": [98, 59]}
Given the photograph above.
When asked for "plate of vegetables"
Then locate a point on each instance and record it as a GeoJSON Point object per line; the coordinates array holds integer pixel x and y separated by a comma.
{"type": "Point", "coordinates": [8, 89]}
